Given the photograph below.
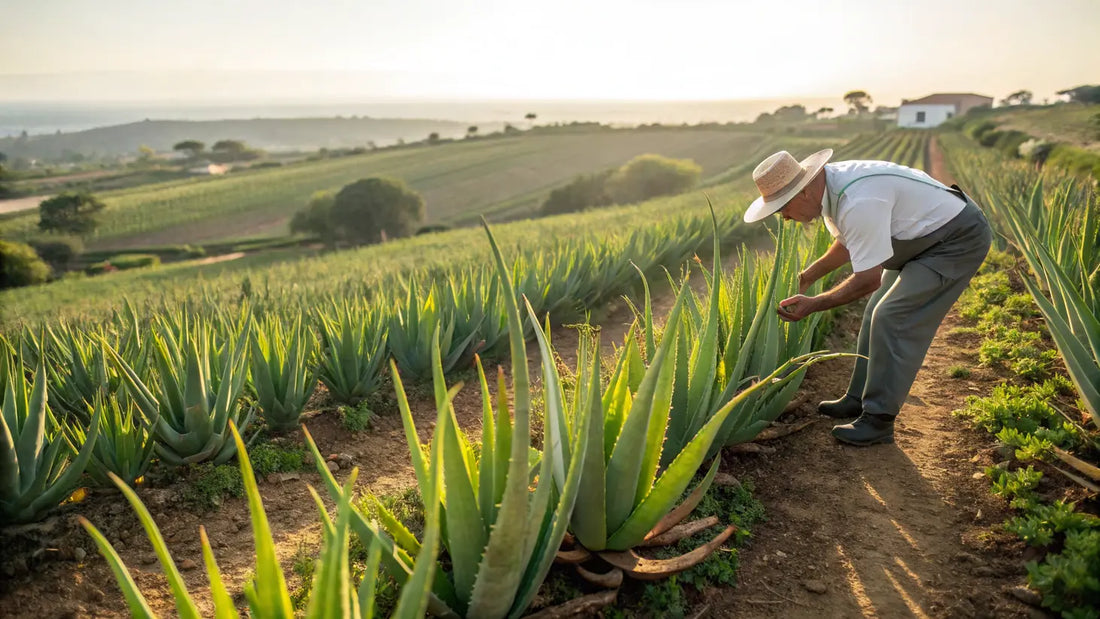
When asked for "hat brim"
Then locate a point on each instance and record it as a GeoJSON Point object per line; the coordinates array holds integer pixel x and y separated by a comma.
{"type": "Point", "coordinates": [761, 208]}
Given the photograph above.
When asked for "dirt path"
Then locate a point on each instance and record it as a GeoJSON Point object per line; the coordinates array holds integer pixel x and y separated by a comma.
{"type": "Point", "coordinates": [902, 530]}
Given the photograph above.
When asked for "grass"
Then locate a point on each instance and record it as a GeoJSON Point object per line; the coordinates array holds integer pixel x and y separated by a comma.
{"type": "Point", "coordinates": [503, 177]}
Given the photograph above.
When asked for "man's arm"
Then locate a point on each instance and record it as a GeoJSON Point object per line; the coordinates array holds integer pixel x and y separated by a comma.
{"type": "Point", "coordinates": [857, 286]}
{"type": "Point", "coordinates": [834, 258]}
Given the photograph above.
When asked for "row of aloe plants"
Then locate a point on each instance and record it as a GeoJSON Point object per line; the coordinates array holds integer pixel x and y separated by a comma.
{"type": "Point", "coordinates": [607, 476]}
{"type": "Point", "coordinates": [1053, 220]}
{"type": "Point", "coordinates": [167, 385]}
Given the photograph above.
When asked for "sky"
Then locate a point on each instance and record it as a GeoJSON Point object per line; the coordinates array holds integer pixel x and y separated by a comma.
{"type": "Point", "coordinates": [69, 50]}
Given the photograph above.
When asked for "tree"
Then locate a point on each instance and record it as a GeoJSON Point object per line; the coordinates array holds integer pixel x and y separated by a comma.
{"type": "Point", "coordinates": [433, 137]}
{"type": "Point", "coordinates": [858, 101]}
{"type": "Point", "coordinates": [376, 209]}
{"type": "Point", "coordinates": [191, 147]}
{"type": "Point", "coordinates": [20, 266]}
{"type": "Point", "coordinates": [234, 147]}
{"type": "Point", "coordinates": [1082, 94]}
{"type": "Point", "coordinates": [530, 117]}
{"type": "Point", "coordinates": [649, 176]}
{"type": "Point", "coordinates": [1020, 97]}
{"type": "Point", "coordinates": [471, 131]}
{"type": "Point", "coordinates": [146, 153]}
{"type": "Point", "coordinates": [822, 111]}
{"type": "Point", "coordinates": [316, 217]}
{"type": "Point", "coordinates": [70, 212]}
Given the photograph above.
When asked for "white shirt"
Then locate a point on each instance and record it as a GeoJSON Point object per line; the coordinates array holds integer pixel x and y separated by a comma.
{"type": "Point", "coordinates": [900, 203]}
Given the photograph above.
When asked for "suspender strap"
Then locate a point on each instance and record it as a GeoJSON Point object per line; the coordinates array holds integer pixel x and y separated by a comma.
{"type": "Point", "coordinates": [845, 188]}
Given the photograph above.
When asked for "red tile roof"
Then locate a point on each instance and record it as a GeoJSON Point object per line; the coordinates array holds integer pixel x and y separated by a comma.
{"type": "Point", "coordinates": [961, 100]}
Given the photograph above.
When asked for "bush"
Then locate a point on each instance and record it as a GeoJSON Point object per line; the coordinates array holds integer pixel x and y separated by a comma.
{"type": "Point", "coordinates": [315, 218]}
{"type": "Point", "coordinates": [649, 176]}
{"type": "Point", "coordinates": [585, 191]}
{"type": "Point", "coordinates": [376, 209]}
{"type": "Point", "coordinates": [71, 213]}
{"type": "Point", "coordinates": [123, 262]}
{"type": "Point", "coordinates": [1009, 142]}
{"type": "Point", "coordinates": [59, 251]}
{"type": "Point", "coordinates": [432, 229]}
{"type": "Point", "coordinates": [20, 266]}
{"type": "Point", "coordinates": [1076, 160]}
{"type": "Point", "coordinates": [980, 128]}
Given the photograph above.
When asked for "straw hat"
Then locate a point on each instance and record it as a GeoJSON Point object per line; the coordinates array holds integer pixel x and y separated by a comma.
{"type": "Point", "coordinates": [779, 178]}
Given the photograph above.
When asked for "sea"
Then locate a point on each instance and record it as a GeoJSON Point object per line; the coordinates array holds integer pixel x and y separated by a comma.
{"type": "Point", "coordinates": [47, 117]}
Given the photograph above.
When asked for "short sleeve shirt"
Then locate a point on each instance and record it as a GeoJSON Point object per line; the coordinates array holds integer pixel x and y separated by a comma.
{"type": "Point", "coordinates": [888, 201]}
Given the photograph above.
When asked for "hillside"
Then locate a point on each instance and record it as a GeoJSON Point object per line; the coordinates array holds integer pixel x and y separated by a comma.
{"type": "Point", "coordinates": [266, 133]}
{"type": "Point", "coordinates": [502, 178]}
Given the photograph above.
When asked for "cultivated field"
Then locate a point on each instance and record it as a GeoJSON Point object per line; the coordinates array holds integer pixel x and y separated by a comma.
{"type": "Point", "coordinates": [501, 178]}
{"type": "Point", "coordinates": [591, 445]}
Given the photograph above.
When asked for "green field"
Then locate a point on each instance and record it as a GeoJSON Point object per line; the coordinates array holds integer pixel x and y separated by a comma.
{"type": "Point", "coordinates": [1071, 123]}
{"type": "Point", "coordinates": [502, 178]}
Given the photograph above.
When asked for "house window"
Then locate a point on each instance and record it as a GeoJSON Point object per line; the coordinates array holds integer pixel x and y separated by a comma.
{"type": "Point", "coordinates": [920, 117]}
{"type": "Point", "coordinates": [950, 114]}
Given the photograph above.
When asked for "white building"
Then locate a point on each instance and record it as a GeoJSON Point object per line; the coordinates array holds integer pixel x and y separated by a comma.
{"type": "Point", "coordinates": [933, 110]}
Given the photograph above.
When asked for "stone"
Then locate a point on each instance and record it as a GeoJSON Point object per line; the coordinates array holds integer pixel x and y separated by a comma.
{"type": "Point", "coordinates": [79, 554]}
{"type": "Point", "coordinates": [815, 586]}
{"type": "Point", "coordinates": [149, 558]}
{"type": "Point", "coordinates": [332, 466]}
{"type": "Point", "coordinates": [1027, 596]}
{"type": "Point", "coordinates": [725, 479]}
{"type": "Point", "coordinates": [780, 554]}
{"type": "Point", "coordinates": [984, 571]}
{"type": "Point", "coordinates": [188, 564]}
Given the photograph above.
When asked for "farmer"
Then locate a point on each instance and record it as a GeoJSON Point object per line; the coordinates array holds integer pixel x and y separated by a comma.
{"type": "Point", "coordinates": [913, 243]}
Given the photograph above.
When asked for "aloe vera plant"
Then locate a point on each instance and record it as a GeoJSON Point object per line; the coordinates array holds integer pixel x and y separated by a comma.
{"type": "Point", "coordinates": [500, 535]}
{"type": "Point", "coordinates": [333, 593]}
{"type": "Point", "coordinates": [281, 374]}
{"type": "Point", "coordinates": [124, 444]}
{"type": "Point", "coordinates": [39, 467]}
{"type": "Point", "coordinates": [193, 399]}
{"type": "Point", "coordinates": [353, 345]}
{"type": "Point", "coordinates": [417, 321]}
{"type": "Point", "coordinates": [626, 496]}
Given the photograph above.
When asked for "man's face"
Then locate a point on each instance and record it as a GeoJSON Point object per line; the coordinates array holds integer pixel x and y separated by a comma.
{"type": "Point", "coordinates": [803, 207]}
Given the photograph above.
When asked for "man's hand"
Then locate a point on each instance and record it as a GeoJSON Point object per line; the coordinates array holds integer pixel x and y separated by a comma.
{"type": "Point", "coordinates": [797, 307]}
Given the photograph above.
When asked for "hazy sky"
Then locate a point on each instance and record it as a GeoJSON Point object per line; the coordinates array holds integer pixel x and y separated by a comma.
{"type": "Point", "coordinates": [605, 49]}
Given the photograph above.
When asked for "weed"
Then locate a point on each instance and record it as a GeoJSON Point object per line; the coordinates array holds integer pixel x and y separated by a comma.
{"type": "Point", "coordinates": [268, 458]}
{"type": "Point", "coordinates": [210, 484]}
{"type": "Point", "coordinates": [958, 371]}
{"type": "Point", "coordinates": [303, 565]}
{"type": "Point", "coordinates": [356, 418]}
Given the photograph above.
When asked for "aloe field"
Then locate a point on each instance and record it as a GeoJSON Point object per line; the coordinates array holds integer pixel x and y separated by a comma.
{"type": "Point", "coordinates": [544, 417]}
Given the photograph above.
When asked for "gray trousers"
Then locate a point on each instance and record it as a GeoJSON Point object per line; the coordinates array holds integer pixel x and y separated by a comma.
{"type": "Point", "coordinates": [920, 283]}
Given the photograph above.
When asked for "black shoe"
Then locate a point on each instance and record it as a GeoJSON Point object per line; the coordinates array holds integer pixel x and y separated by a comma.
{"type": "Point", "coordinates": [845, 408]}
{"type": "Point", "coordinates": [867, 430]}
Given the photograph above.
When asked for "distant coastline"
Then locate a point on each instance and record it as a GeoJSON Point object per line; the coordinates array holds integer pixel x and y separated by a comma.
{"type": "Point", "coordinates": [50, 117]}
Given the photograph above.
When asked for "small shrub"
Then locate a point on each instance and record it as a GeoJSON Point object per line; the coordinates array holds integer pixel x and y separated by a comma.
{"type": "Point", "coordinates": [211, 484]}
{"type": "Point", "coordinates": [650, 176]}
{"type": "Point", "coordinates": [58, 251]}
{"type": "Point", "coordinates": [268, 458]}
{"type": "Point", "coordinates": [356, 418]}
{"type": "Point", "coordinates": [583, 192]}
{"type": "Point", "coordinates": [21, 266]}
{"type": "Point", "coordinates": [958, 371]}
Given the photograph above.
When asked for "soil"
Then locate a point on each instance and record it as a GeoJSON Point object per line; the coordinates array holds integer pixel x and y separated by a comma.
{"type": "Point", "coordinates": [900, 530]}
